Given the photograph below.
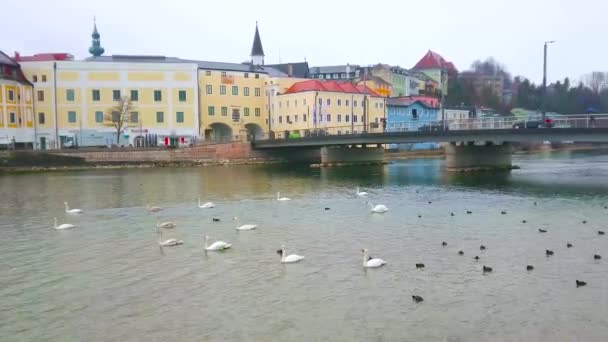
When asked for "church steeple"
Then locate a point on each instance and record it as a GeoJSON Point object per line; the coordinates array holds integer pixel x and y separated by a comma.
{"type": "Point", "coordinates": [257, 52]}
{"type": "Point", "coordinates": [96, 50]}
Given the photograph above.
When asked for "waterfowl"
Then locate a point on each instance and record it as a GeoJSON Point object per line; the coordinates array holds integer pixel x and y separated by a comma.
{"type": "Point", "coordinates": [417, 299]}
{"type": "Point", "coordinates": [548, 252]}
{"type": "Point", "coordinates": [207, 205]}
{"type": "Point", "coordinates": [288, 259]}
{"type": "Point", "coordinates": [371, 263]}
{"type": "Point", "coordinates": [216, 219]}
{"type": "Point", "coordinates": [153, 209]}
{"type": "Point", "coordinates": [580, 283]}
{"type": "Point", "coordinates": [482, 247]}
{"type": "Point", "coordinates": [166, 225]}
{"type": "Point", "coordinates": [529, 267]}
{"type": "Point", "coordinates": [542, 230]}
{"type": "Point", "coordinates": [430, 202]}
{"type": "Point", "coordinates": [71, 211]}
{"type": "Point", "coordinates": [487, 269]}
{"type": "Point", "coordinates": [597, 257]}
{"type": "Point", "coordinates": [63, 226]}
{"type": "Point", "coordinates": [504, 212]}
{"type": "Point", "coordinates": [216, 246]}
{"type": "Point", "coordinates": [419, 265]}
{"type": "Point", "coordinates": [168, 242]}
{"type": "Point", "coordinates": [600, 232]}
{"type": "Point", "coordinates": [444, 243]}
{"type": "Point", "coordinates": [460, 253]}
{"type": "Point", "coordinates": [469, 212]}
{"type": "Point", "coordinates": [378, 208]}
{"type": "Point", "coordinates": [524, 221]}
{"type": "Point", "coordinates": [476, 258]}
{"type": "Point", "coordinates": [245, 226]}
{"type": "Point", "coordinates": [568, 245]}
{"type": "Point", "coordinates": [584, 221]}
{"type": "Point", "coordinates": [451, 214]}
{"type": "Point", "coordinates": [282, 199]}
{"type": "Point", "coordinates": [361, 193]}
{"type": "Point", "coordinates": [419, 216]}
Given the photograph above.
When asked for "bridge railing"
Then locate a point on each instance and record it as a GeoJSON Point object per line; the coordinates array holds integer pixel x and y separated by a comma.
{"type": "Point", "coordinates": [571, 121]}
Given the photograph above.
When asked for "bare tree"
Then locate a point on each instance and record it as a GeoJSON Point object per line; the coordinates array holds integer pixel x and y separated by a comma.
{"type": "Point", "coordinates": [596, 80]}
{"type": "Point", "coordinates": [118, 116]}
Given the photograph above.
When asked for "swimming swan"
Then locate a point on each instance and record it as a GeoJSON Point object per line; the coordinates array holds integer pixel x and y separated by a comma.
{"type": "Point", "coordinates": [206, 205]}
{"type": "Point", "coordinates": [361, 193]}
{"type": "Point", "coordinates": [282, 199]}
{"type": "Point", "coordinates": [216, 246]}
{"type": "Point", "coordinates": [289, 258]}
{"type": "Point", "coordinates": [71, 211]}
{"type": "Point", "coordinates": [378, 209]}
{"type": "Point", "coordinates": [371, 263]}
{"type": "Point", "coordinates": [245, 226]}
{"type": "Point", "coordinates": [63, 226]}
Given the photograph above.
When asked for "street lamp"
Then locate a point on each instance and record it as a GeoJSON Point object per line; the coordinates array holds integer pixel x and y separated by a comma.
{"type": "Point", "coordinates": [543, 104]}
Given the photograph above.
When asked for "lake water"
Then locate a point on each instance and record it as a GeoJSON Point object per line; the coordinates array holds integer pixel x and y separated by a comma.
{"type": "Point", "coordinates": [108, 280]}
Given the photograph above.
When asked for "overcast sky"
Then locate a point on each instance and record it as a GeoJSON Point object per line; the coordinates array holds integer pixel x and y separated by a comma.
{"type": "Point", "coordinates": [322, 31]}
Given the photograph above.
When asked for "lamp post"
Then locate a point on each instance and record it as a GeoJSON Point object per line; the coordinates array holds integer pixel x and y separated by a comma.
{"type": "Point", "coordinates": [543, 103]}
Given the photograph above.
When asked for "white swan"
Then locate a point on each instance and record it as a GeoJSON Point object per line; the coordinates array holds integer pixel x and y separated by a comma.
{"type": "Point", "coordinates": [289, 258]}
{"type": "Point", "coordinates": [166, 225]}
{"type": "Point", "coordinates": [153, 209]}
{"type": "Point", "coordinates": [71, 211]}
{"type": "Point", "coordinates": [206, 205]}
{"type": "Point", "coordinates": [245, 226]}
{"type": "Point", "coordinates": [64, 226]}
{"type": "Point", "coordinates": [168, 242]}
{"type": "Point", "coordinates": [216, 246]}
{"type": "Point", "coordinates": [361, 193]}
{"type": "Point", "coordinates": [371, 263]}
{"type": "Point", "coordinates": [282, 199]}
{"type": "Point", "coordinates": [378, 209]}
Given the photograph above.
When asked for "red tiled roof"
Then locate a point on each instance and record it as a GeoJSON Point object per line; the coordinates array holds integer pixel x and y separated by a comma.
{"type": "Point", "coordinates": [42, 57]}
{"type": "Point", "coordinates": [433, 60]}
{"type": "Point", "coordinates": [316, 85]}
{"type": "Point", "coordinates": [428, 101]}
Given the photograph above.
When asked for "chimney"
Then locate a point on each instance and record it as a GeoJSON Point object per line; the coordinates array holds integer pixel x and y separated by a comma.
{"type": "Point", "coordinates": [347, 70]}
{"type": "Point", "coordinates": [289, 70]}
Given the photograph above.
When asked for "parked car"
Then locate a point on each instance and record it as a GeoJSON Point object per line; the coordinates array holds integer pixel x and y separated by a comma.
{"type": "Point", "coordinates": [435, 127]}
{"type": "Point", "coordinates": [533, 124]}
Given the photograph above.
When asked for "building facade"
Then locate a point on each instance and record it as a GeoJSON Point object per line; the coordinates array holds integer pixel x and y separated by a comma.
{"type": "Point", "coordinates": [437, 68]}
{"type": "Point", "coordinates": [17, 127]}
{"type": "Point", "coordinates": [326, 107]}
{"type": "Point", "coordinates": [407, 114]}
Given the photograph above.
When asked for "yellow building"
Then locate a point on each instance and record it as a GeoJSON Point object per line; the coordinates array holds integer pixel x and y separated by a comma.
{"type": "Point", "coordinates": [16, 106]}
{"type": "Point", "coordinates": [330, 107]}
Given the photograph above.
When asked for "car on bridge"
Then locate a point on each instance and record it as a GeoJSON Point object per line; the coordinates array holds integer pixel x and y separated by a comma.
{"type": "Point", "coordinates": [432, 127]}
{"type": "Point", "coordinates": [534, 124]}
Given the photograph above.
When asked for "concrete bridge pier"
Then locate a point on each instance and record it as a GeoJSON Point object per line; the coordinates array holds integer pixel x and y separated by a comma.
{"type": "Point", "coordinates": [472, 157]}
{"type": "Point", "coordinates": [338, 155]}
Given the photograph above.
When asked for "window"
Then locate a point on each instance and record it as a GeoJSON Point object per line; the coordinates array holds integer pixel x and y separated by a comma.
{"type": "Point", "coordinates": [207, 73]}
{"type": "Point", "coordinates": [211, 110]}
{"type": "Point", "coordinates": [321, 76]}
{"type": "Point", "coordinates": [295, 118]}
{"type": "Point", "coordinates": [158, 96]}
{"type": "Point", "coordinates": [115, 95]}
{"type": "Point", "coordinates": [96, 95]}
{"type": "Point", "coordinates": [376, 104]}
{"type": "Point", "coordinates": [320, 101]}
{"type": "Point", "coordinates": [223, 74]}
{"type": "Point", "coordinates": [287, 119]}
{"type": "Point", "coordinates": [258, 92]}
{"type": "Point", "coordinates": [287, 103]}
{"type": "Point", "coordinates": [257, 75]}
{"type": "Point", "coordinates": [222, 90]}
{"type": "Point", "coordinates": [328, 102]}
{"type": "Point", "coordinates": [246, 111]}
{"type": "Point", "coordinates": [98, 116]}
{"type": "Point", "coordinates": [347, 118]}
{"type": "Point", "coordinates": [354, 103]}
{"type": "Point", "coordinates": [339, 102]}
{"type": "Point", "coordinates": [224, 111]}
{"type": "Point", "coordinates": [304, 117]}
{"type": "Point", "coordinates": [41, 118]}
{"type": "Point", "coordinates": [346, 103]}
{"type": "Point", "coordinates": [236, 115]}
{"type": "Point", "coordinates": [320, 117]}
{"type": "Point", "coordinates": [414, 114]}
{"type": "Point", "coordinates": [43, 78]}
{"type": "Point", "coordinates": [280, 104]}
{"type": "Point", "coordinates": [11, 95]}
{"type": "Point", "coordinates": [182, 95]}
{"type": "Point", "coordinates": [115, 116]}
{"type": "Point", "coordinates": [354, 119]}
{"type": "Point", "coordinates": [40, 95]}
{"type": "Point", "coordinates": [336, 76]}
{"type": "Point", "coordinates": [134, 95]}
{"type": "Point", "coordinates": [35, 78]}
{"type": "Point", "coordinates": [339, 117]}
{"type": "Point", "coordinates": [11, 117]}
{"type": "Point", "coordinates": [71, 116]}
{"type": "Point", "coordinates": [257, 112]}
{"type": "Point", "coordinates": [381, 105]}
{"type": "Point", "coordinates": [304, 102]}
{"type": "Point", "coordinates": [328, 117]}
{"type": "Point", "coordinates": [160, 117]}
{"type": "Point", "coordinates": [246, 91]}
{"type": "Point", "coordinates": [246, 75]}
{"type": "Point", "coordinates": [235, 90]}
{"type": "Point", "coordinates": [280, 119]}
{"type": "Point", "coordinates": [295, 103]}
{"type": "Point", "coordinates": [69, 94]}
{"type": "Point", "coordinates": [209, 89]}
{"type": "Point", "coordinates": [179, 117]}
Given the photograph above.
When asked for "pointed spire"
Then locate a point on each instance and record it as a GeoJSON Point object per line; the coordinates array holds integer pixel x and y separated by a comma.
{"type": "Point", "coordinates": [96, 50]}
{"type": "Point", "coordinates": [257, 52]}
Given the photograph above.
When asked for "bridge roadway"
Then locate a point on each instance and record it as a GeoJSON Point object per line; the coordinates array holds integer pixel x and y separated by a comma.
{"type": "Point", "coordinates": [503, 135]}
